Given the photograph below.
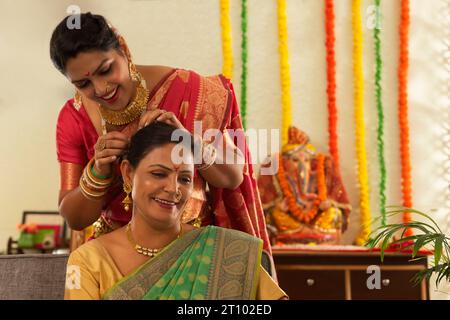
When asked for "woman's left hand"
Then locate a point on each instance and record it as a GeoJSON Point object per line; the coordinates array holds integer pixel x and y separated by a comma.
{"type": "Point", "coordinates": [170, 118]}
{"type": "Point", "coordinates": [162, 116]}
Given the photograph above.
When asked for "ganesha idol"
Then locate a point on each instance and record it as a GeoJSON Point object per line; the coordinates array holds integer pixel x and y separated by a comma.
{"type": "Point", "coordinates": [304, 201]}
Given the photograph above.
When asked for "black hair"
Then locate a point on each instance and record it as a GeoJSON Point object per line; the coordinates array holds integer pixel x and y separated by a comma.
{"type": "Point", "coordinates": [94, 34]}
{"type": "Point", "coordinates": [152, 136]}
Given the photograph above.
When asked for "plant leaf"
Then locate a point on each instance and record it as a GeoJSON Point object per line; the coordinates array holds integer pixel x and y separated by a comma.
{"type": "Point", "coordinates": [438, 250]}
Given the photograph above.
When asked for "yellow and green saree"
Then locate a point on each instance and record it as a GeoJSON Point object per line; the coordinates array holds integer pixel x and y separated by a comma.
{"type": "Point", "coordinates": [207, 263]}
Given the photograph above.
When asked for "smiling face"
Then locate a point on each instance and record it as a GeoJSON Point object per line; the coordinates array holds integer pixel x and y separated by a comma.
{"type": "Point", "coordinates": [155, 183]}
{"type": "Point", "coordinates": [102, 76]}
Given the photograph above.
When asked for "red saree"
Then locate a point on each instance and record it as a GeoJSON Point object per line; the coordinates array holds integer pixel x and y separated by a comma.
{"type": "Point", "coordinates": [190, 97]}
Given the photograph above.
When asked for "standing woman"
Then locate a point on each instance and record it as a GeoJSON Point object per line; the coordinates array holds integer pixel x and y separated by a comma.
{"type": "Point", "coordinates": [114, 98]}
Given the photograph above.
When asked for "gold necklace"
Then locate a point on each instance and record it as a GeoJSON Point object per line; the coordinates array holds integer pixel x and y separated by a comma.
{"type": "Point", "coordinates": [149, 252]}
{"type": "Point", "coordinates": [131, 112]}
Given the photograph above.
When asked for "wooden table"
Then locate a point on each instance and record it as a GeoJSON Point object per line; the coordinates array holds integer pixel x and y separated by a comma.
{"type": "Point", "coordinates": [345, 275]}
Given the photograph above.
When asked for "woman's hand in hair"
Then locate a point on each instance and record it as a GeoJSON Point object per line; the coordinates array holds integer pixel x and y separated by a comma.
{"type": "Point", "coordinates": [149, 116]}
{"type": "Point", "coordinates": [108, 149]}
{"type": "Point", "coordinates": [170, 118]}
{"type": "Point", "coordinates": [161, 116]}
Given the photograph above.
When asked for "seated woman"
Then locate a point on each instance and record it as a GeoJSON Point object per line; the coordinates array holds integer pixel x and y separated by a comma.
{"type": "Point", "coordinates": [155, 256]}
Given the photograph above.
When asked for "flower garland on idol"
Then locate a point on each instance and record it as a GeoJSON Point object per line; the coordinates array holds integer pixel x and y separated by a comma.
{"type": "Point", "coordinates": [294, 208]}
{"type": "Point", "coordinates": [380, 113]}
{"type": "Point", "coordinates": [225, 23]}
{"type": "Point", "coordinates": [403, 112]}
{"type": "Point", "coordinates": [365, 215]}
{"type": "Point", "coordinates": [331, 78]}
{"type": "Point", "coordinates": [286, 101]}
{"type": "Point", "coordinates": [243, 103]}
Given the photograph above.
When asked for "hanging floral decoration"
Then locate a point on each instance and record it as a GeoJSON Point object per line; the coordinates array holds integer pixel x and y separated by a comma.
{"type": "Point", "coordinates": [243, 103]}
{"type": "Point", "coordinates": [380, 113]}
{"type": "Point", "coordinates": [225, 23]}
{"type": "Point", "coordinates": [286, 101]}
{"type": "Point", "coordinates": [331, 78]}
{"type": "Point", "coordinates": [361, 152]}
{"type": "Point", "coordinates": [403, 111]}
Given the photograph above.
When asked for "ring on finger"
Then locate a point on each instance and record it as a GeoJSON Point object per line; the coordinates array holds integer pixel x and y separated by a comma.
{"type": "Point", "coordinates": [101, 145]}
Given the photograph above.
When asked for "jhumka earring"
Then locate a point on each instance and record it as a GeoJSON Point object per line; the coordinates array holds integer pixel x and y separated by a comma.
{"type": "Point", "coordinates": [134, 74]}
{"type": "Point", "coordinates": [77, 100]}
{"type": "Point", "coordinates": [127, 200]}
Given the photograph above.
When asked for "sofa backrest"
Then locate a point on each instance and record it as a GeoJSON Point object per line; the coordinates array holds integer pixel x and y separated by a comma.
{"type": "Point", "coordinates": [32, 276]}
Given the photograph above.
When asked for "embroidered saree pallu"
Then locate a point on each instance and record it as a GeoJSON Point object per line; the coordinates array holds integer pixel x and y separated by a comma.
{"type": "Point", "coordinates": [208, 263]}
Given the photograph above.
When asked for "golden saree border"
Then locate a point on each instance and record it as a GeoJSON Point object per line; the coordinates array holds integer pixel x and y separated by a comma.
{"type": "Point", "coordinates": [212, 103]}
{"type": "Point", "coordinates": [235, 269]}
{"type": "Point", "coordinates": [70, 174]}
{"type": "Point", "coordinates": [155, 101]}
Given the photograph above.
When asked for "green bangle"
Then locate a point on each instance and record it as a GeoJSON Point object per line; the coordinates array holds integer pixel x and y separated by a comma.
{"type": "Point", "coordinates": [98, 176]}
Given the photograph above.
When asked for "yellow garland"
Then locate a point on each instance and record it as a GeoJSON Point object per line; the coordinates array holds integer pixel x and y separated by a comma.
{"type": "Point", "coordinates": [225, 23]}
{"type": "Point", "coordinates": [365, 215]}
{"type": "Point", "coordinates": [286, 103]}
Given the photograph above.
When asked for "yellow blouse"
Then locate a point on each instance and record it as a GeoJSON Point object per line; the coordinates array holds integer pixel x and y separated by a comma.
{"type": "Point", "coordinates": [91, 271]}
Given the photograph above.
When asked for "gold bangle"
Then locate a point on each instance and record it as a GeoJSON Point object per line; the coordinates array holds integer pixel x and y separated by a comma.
{"type": "Point", "coordinates": [94, 183]}
{"type": "Point", "coordinates": [100, 182]}
{"type": "Point", "coordinates": [91, 191]}
{"type": "Point", "coordinates": [210, 153]}
{"type": "Point", "coordinates": [88, 194]}
{"type": "Point", "coordinates": [94, 188]}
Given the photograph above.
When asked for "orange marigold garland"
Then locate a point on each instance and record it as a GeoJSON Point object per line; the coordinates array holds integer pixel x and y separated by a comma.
{"type": "Point", "coordinates": [331, 77]}
{"type": "Point", "coordinates": [403, 111]}
{"type": "Point", "coordinates": [294, 208]}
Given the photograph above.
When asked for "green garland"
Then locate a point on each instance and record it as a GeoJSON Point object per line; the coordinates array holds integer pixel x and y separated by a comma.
{"type": "Point", "coordinates": [244, 63]}
{"type": "Point", "coordinates": [380, 128]}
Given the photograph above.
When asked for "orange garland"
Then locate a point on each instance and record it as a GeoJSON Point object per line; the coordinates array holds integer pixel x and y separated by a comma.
{"type": "Point", "coordinates": [403, 112]}
{"type": "Point", "coordinates": [331, 76]}
{"type": "Point", "coordinates": [294, 208]}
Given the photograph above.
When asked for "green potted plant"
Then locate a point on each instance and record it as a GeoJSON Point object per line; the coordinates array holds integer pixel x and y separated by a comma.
{"type": "Point", "coordinates": [427, 235]}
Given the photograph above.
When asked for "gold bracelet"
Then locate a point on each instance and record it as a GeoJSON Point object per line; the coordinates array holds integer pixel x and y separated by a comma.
{"type": "Point", "coordinates": [208, 152]}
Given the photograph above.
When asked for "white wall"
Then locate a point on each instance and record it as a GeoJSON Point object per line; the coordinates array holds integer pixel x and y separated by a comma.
{"type": "Point", "coordinates": [186, 33]}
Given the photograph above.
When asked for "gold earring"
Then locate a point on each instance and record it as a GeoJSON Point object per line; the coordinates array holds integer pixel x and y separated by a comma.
{"type": "Point", "coordinates": [77, 100]}
{"type": "Point", "coordinates": [134, 74]}
{"type": "Point", "coordinates": [127, 201]}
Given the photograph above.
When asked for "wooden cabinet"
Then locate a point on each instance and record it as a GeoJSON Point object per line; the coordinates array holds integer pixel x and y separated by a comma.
{"type": "Point", "coordinates": [345, 275]}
